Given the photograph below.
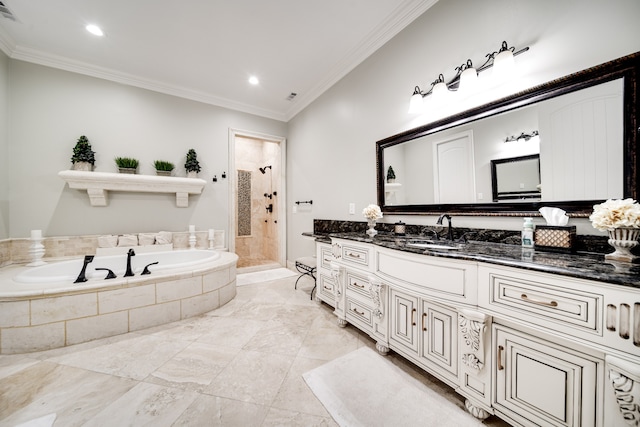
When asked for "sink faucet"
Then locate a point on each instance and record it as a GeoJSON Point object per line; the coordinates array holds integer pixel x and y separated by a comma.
{"type": "Point", "coordinates": [129, 255]}
{"type": "Point", "coordinates": [81, 277]}
{"type": "Point", "coordinates": [450, 231]}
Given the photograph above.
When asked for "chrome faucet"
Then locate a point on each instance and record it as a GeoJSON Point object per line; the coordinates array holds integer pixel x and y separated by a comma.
{"type": "Point", "coordinates": [129, 255]}
{"type": "Point", "coordinates": [450, 231]}
{"type": "Point", "coordinates": [81, 277]}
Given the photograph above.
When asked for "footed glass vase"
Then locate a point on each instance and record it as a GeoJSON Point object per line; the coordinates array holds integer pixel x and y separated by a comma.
{"type": "Point", "coordinates": [623, 240]}
{"type": "Point", "coordinates": [372, 227]}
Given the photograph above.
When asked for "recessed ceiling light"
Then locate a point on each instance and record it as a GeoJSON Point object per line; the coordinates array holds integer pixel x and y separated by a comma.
{"type": "Point", "coordinates": [94, 29]}
{"type": "Point", "coordinates": [254, 80]}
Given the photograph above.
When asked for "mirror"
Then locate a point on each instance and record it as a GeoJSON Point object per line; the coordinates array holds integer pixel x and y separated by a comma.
{"type": "Point", "coordinates": [516, 178]}
{"type": "Point", "coordinates": [582, 128]}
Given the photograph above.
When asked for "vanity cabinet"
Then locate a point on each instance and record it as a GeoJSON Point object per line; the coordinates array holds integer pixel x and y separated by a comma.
{"type": "Point", "coordinates": [532, 347]}
{"type": "Point", "coordinates": [540, 382]}
{"type": "Point", "coordinates": [424, 332]}
{"type": "Point", "coordinates": [325, 287]}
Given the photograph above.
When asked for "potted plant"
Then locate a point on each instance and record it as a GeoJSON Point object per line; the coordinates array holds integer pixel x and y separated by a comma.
{"type": "Point", "coordinates": [126, 164]}
{"type": "Point", "coordinates": [83, 157]}
{"type": "Point", "coordinates": [192, 165]}
{"type": "Point", "coordinates": [391, 175]}
{"type": "Point", "coordinates": [163, 168]}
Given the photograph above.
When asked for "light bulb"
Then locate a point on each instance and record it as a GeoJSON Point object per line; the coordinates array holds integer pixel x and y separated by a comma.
{"type": "Point", "coordinates": [503, 64]}
{"type": "Point", "coordinates": [468, 80]}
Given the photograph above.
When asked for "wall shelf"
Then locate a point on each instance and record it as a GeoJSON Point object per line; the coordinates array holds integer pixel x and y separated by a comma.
{"type": "Point", "coordinates": [98, 184]}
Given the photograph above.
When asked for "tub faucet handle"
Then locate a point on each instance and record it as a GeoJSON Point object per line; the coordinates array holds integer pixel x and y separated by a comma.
{"type": "Point", "coordinates": [110, 275]}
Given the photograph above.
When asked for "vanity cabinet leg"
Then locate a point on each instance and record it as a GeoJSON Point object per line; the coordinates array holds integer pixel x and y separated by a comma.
{"type": "Point", "coordinates": [341, 322]}
{"type": "Point", "coordinates": [476, 411]}
{"type": "Point", "coordinates": [382, 348]}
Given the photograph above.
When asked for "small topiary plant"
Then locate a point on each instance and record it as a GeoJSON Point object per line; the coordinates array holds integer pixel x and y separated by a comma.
{"type": "Point", "coordinates": [192, 164]}
{"type": "Point", "coordinates": [82, 152]}
{"type": "Point", "coordinates": [391, 175]}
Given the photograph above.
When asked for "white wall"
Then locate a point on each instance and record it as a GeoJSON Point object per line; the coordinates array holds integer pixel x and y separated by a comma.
{"type": "Point", "coordinates": [4, 150]}
{"type": "Point", "coordinates": [331, 157]}
{"type": "Point", "coordinates": [51, 108]}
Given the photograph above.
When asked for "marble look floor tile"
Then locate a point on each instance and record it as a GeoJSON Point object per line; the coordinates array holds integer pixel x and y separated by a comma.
{"type": "Point", "coordinates": [295, 395]}
{"type": "Point", "coordinates": [252, 376]}
{"type": "Point", "coordinates": [134, 358]}
{"type": "Point", "coordinates": [11, 364]}
{"type": "Point", "coordinates": [214, 411]}
{"type": "Point", "coordinates": [194, 367]}
{"type": "Point", "coordinates": [73, 394]}
{"type": "Point", "coordinates": [230, 331]}
{"type": "Point", "coordinates": [329, 342]}
{"type": "Point", "coordinates": [145, 404]}
{"type": "Point", "coordinates": [278, 338]}
{"type": "Point", "coordinates": [281, 418]}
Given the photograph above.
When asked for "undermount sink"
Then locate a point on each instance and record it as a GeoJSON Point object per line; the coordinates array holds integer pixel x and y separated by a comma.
{"type": "Point", "coordinates": [427, 244]}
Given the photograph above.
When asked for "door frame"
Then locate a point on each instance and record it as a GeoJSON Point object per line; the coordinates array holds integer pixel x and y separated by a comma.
{"type": "Point", "coordinates": [282, 193]}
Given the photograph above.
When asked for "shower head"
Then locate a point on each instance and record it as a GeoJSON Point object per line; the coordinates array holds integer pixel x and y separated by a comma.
{"type": "Point", "coordinates": [264, 169]}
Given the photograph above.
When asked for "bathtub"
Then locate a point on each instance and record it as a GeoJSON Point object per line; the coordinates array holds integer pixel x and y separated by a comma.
{"type": "Point", "coordinates": [41, 308]}
{"type": "Point", "coordinates": [67, 271]}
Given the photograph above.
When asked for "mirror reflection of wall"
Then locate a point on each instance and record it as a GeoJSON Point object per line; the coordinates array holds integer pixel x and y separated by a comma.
{"type": "Point", "coordinates": [580, 146]}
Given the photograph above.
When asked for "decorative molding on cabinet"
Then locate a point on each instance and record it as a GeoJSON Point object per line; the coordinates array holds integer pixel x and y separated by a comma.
{"type": "Point", "coordinates": [97, 185]}
{"type": "Point", "coordinates": [472, 326]}
{"type": "Point", "coordinates": [626, 388]}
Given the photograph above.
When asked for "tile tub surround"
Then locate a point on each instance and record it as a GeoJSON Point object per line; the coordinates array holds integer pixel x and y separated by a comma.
{"type": "Point", "coordinates": [584, 243]}
{"type": "Point", "coordinates": [33, 322]}
{"type": "Point", "coordinates": [16, 251]}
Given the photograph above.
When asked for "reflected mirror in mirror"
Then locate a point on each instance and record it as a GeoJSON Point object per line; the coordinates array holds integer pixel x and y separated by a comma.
{"type": "Point", "coordinates": [516, 178]}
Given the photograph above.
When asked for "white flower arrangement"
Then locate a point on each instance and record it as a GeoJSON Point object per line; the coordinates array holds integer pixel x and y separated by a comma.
{"type": "Point", "coordinates": [372, 212]}
{"type": "Point", "coordinates": [615, 213]}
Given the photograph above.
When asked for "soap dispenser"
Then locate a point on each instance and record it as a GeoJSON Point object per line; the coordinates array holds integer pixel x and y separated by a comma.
{"type": "Point", "coordinates": [527, 233]}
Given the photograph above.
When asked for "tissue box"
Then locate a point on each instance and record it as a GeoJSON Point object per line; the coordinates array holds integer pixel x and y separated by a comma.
{"type": "Point", "coordinates": [555, 237]}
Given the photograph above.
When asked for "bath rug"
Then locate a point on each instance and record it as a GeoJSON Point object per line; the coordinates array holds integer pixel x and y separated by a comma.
{"type": "Point", "coordinates": [263, 276]}
{"type": "Point", "coordinates": [46, 421]}
{"type": "Point", "coordinates": [363, 388]}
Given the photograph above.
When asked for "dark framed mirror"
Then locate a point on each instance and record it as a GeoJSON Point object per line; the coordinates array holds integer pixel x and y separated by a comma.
{"type": "Point", "coordinates": [516, 178]}
{"type": "Point", "coordinates": [574, 177]}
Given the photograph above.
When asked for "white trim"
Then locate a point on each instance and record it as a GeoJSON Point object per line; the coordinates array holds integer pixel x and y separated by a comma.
{"type": "Point", "coordinates": [282, 194]}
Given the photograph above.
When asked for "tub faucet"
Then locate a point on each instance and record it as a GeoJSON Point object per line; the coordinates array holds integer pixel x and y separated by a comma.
{"type": "Point", "coordinates": [129, 255]}
{"type": "Point", "coordinates": [450, 231]}
{"type": "Point", "coordinates": [81, 277]}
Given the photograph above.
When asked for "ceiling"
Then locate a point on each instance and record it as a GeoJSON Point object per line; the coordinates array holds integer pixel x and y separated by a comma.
{"type": "Point", "coordinates": [205, 50]}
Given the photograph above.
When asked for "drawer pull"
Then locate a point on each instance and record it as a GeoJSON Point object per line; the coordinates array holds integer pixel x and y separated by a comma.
{"type": "Point", "coordinates": [413, 317]}
{"type": "Point", "coordinates": [327, 288]}
{"type": "Point", "coordinates": [424, 326]}
{"type": "Point", "coordinates": [552, 303]}
{"type": "Point", "coordinates": [500, 350]}
{"type": "Point", "coordinates": [352, 255]}
{"type": "Point", "coordinates": [356, 284]}
{"type": "Point", "coordinates": [355, 310]}
{"type": "Point", "coordinates": [326, 260]}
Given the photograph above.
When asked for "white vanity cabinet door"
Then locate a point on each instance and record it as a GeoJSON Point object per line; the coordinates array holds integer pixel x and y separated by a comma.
{"type": "Point", "coordinates": [404, 315]}
{"type": "Point", "coordinates": [439, 336]}
{"type": "Point", "coordinates": [544, 384]}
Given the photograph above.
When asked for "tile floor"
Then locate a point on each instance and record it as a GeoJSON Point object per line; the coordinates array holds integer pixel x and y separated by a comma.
{"type": "Point", "coordinates": [239, 365]}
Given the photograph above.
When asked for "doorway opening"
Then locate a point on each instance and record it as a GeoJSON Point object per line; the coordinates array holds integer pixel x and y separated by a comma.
{"type": "Point", "coordinates": [257, 200]}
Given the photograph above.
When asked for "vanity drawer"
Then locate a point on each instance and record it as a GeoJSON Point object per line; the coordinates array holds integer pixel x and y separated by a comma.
{"type": "Point", "coordinates": [326, 257]}
{"type": "Point", "coordinates": [359, 313]}
{"type": "Point", "coordinates": [326, 289]}
{"type": "Point", "coordinates": [358, 284]}
{"type": "Point", "coordinates": [539, 299]}
{"type": "Point", "coordinates": [356, 255]}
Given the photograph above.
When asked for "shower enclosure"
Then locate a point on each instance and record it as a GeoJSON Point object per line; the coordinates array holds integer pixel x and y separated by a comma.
{"type": "Point", "coordinates": [257, 202]}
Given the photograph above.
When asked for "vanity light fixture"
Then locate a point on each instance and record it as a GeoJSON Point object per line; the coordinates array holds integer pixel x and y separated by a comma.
{"type": "Point", "coordinates": [254, 80]}
{"type": "Point", "coordinates": [525, 136]}
{"type": "Point", "coordinates": [466, 75]}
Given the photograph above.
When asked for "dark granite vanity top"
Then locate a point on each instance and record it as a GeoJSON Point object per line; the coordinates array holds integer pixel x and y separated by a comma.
{"type": "Point", "coordinates": [580, 265]}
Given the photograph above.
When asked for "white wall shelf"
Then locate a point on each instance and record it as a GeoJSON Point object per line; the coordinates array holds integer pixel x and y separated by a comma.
{"type": "Point", "coordinates": [98, 184]}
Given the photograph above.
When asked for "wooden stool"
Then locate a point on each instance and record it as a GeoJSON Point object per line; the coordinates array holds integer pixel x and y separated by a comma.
{"type": "Point", "coordinates": [307, 267]}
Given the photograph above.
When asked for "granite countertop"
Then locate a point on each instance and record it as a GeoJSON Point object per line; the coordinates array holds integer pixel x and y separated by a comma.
{"type": "Point", "coordinates": [580, 265]}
